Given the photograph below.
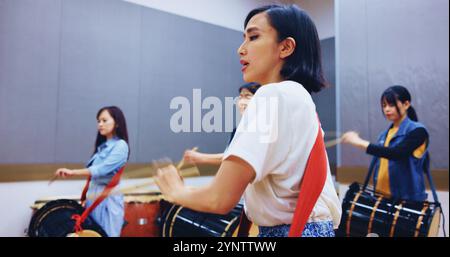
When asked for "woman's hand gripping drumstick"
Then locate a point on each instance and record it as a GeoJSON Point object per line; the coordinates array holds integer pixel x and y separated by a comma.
{"type": "Point", "coordinates": [353, 138]}
{"type": "Point", "coordinates": [349, 137]}
{"type": "Point", "coordinates": [187, 157]}
{"type": "Point", "coordinates": [170, 181]}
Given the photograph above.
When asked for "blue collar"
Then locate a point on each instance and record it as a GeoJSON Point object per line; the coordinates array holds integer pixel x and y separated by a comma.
{"type": "Point", "coordinates": [405, 127]}
{"type": "Point", "coordinates": [402, 128]}
{"type": "Point", "coordinates": [108, 143]}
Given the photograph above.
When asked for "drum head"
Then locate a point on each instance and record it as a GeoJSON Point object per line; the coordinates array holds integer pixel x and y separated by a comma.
{"type": "Point", "coordinates": [54, 219]}
{"type": "Point", "coordinates": [435, 221]}
{"type": "Point", "coordinates": [85, 233]}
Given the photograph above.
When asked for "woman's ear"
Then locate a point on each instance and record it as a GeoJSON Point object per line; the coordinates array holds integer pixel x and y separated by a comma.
{"type": "Point", "coordinates": [287, 47]}
{"type": "Point", "coordinates": [407, 104]}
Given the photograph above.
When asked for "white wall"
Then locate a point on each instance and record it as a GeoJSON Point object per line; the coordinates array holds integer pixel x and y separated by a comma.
{"type": "Point", "coordinates": [231, 13]}
{"type": "Point", "coordinates": [17, 198]}
{"type": "Point", "coordinates": [322, 13]}
{"type": "Point", "coordinates": [225, 13]}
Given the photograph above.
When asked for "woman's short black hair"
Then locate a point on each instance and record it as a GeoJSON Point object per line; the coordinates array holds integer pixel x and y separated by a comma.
{"type": "Point", "coordinates": [252, 87]}
{"type": "Point", "coordinates": [304, 65]}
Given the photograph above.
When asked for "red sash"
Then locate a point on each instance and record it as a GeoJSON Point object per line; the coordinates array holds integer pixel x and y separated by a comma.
{"type": "Point", "coordinates": [80, 219]}
{"type": "Point", "coordinates": [311, 185]}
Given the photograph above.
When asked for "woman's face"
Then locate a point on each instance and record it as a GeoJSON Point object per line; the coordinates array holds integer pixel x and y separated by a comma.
{"type": "Point", "coordinates": [391, 113]}
{"type": "Point", "coordinates": [106, 124]}
{"type": "Point", "coordinates": [244, 98]}
{"type": "Point", "coordinates": [260, 52]}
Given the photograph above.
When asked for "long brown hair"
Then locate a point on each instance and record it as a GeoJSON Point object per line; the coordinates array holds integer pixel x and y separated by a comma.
{"type": "Point", "coordinates": [120, 129]}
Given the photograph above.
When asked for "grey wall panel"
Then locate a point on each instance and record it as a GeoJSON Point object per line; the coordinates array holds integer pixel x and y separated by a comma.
{"type": "Point", "coordinates": [100, 50]}
{"type": "Point", "coordinates": [186, 54]}
{"type": "Point", "coordinates": [353, 84]}
{"type": "Point", "coordinates": [325, 100]}
{"type": "Point", "coordinates": [63, 60]}
{"type": "Point", "coordinates": [101, 53]}
{"type": "Point", "coordinates": [407, 46]}
{"type": "Point", "coordinates": [29, 43]}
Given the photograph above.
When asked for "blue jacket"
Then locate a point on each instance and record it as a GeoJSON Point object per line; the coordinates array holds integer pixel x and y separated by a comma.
{"type": "Point", "coordinates": [406, 176]}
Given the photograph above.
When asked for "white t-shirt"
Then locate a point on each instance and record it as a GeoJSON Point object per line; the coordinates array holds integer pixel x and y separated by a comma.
{"type": "Point", "coordinates": [275, 136]}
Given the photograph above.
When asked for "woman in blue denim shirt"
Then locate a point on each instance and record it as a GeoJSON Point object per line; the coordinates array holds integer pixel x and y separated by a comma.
{"type": "Point", "coordinates": [110, 154]}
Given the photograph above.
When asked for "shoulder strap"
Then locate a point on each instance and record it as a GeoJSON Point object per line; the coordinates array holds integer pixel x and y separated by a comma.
{"type": "Point", "coordinates": [426, 168]}
{"type": "Point", "coordinates": [370, 172]}
{"type": "Point", "coordinates": [80, 219]}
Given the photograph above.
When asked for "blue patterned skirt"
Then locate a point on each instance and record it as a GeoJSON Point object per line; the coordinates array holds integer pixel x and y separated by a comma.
{"type": "Point", "coordinates": [313, 229]}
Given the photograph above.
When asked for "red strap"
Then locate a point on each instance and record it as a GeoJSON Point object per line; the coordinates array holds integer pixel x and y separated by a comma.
{"type": "Point", "coordinates": [85, 189]}
{"type": "Point", "coordinates": [80, 219]}
{"type": "Point", "coordinates": [311, 185]}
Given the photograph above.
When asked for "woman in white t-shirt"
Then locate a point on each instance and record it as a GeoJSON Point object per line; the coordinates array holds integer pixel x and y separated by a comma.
{"type": "Point", "coordinates": [269, 153]}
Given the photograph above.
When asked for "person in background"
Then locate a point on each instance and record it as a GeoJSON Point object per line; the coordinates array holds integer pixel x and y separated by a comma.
{"type": "Point", "coordinates": [111, 153]}
{"type": "Point", "coordinates": [400, 151]}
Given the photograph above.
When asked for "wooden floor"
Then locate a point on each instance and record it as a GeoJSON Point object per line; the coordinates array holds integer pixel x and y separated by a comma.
{"type": "Point", "coordinates": [37, 172]}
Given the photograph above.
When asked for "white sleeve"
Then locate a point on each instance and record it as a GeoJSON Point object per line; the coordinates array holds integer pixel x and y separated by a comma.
{"type": "Point", "coordinates": [262, 137]}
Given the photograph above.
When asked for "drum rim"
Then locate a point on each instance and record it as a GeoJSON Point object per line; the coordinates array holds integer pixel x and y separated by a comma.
{"type": "Point", "coordinates": [42, 212]}
{"type": "Point", "coordinates": [50, 206]}
{"type": "Point", "coordinates": [434, 211]}
{"type": "Point", "coordinates": [173, 213]}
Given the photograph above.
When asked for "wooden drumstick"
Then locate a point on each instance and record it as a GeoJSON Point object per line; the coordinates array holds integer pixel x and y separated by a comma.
{"type": "Point", "coordinates": [181, 163]}
{"type": "Point", "coordinates": [190, 172]}
{"type": "Point", "coordinates": [332, 133]}
{"type": "Point", "coordinates": [52, 179]}
{"type": "Point", "coordinates": [333, 142]}
{"type": "Point", "coordinates": [184, 174]}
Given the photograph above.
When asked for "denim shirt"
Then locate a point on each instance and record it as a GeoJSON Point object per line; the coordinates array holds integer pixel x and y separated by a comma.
{"type": "Point", "coordinates": [406, 176]}
{"type": "Point", "coordinates": [103, 165]}
{"type": "Point", "coordinates": [109, 158]}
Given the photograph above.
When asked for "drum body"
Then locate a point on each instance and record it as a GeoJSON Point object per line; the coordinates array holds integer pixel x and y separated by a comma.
{"type": "Point", "coordinates": [366, 212]}
{"type": "Point", "coordinates": [54, 219]}
{"type": "Point", "coordinates": [141, 213]}
{"type": "Point", "coordinates": [177, 221]}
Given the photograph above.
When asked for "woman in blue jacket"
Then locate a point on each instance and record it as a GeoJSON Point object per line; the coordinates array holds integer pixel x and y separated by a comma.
{"type": "Point", "coordinates": [400, 151]}
{"type": "Point", "coordinates": [111, 152]}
